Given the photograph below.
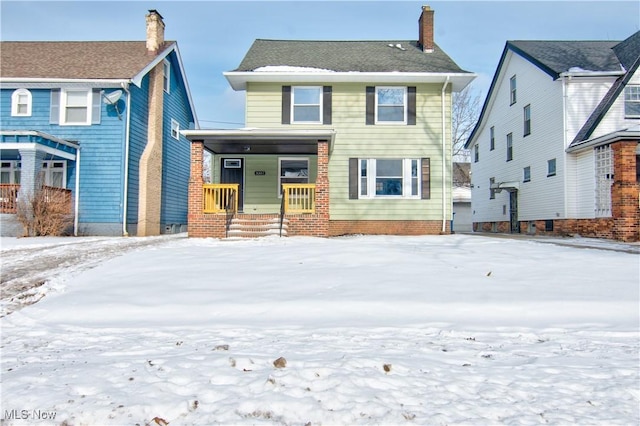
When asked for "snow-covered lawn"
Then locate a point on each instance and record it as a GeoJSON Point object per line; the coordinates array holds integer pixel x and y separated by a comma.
{"type": "Point", "coordinates": [373, 330]}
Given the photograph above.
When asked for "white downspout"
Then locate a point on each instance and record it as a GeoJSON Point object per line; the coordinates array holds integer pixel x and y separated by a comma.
{"type": "Point", "coordinates": [125, 87]}
{"type": "Point", "coordinates": [565, 81]}
{"type": "Point", "coordinates": [76, 207]}
{"type": "Point", "coordinates": [444, 157]}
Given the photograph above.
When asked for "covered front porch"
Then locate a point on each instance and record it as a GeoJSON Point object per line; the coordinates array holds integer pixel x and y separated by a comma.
{"type": "Point", "coordinates": [259, 182]}
{"type": "Point", "coordinates": [33, 161]}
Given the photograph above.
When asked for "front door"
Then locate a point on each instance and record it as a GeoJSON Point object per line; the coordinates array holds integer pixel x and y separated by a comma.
{"type": "Point", "coordinates": [232, 171]}
{"type": "Point", "coordinates": [513, 212]}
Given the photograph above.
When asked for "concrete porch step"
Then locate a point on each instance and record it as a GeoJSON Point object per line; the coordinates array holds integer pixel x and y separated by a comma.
{"type": "Point", "coordinates": [246, 227]}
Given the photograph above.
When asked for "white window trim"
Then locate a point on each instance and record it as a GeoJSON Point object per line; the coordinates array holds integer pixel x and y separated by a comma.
{"type": "Point", "coordinates": [524, 174]}
{"type": "Point", "coordinates": [372, 176]}
{"type": "Point", "coordinates": [63, 107]}
{"type": "Point", "coordinates": [526, 111]}
{"type": "Point", "coordinates": [166, 82]}
{"type": "Point", "coordinates": [15, 97]}
{"type": "Point", "coordinates": [48, 169]}
{"type": "Point", "coordinates": [513, 90]}
{"type": "Point", "coordinates": [392, 123]}
{"type": "Point", "coordinates": [280, 159]}
{"type": "Point", "coordinates": [11, 167]}
{"type": "Point", "coordinates": [293, 105]}
{"type": "Point", "coordinates": [603, 163]}
{"type": "Point", "coordinates": [555, 167]}
{"type": "Point", "coordinates": [175, 126]}
{"type": "Point", "coordinates": [629, 86]}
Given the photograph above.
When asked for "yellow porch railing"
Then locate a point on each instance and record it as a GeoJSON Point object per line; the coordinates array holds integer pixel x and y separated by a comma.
{"type": "Point", "coordinates": [299, 197]}
{"type": "Point", "coordinates": [217, 197]}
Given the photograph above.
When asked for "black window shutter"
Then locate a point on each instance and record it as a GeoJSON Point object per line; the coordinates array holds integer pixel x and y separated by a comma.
{"type": "Point", "coordinates": [54, 111]}
{"type": "Point", "coordinates": [286, 104]}
{"type": "Point", "coordinates": [353, 178]}
{"type": "Point", "coordinates": [371, 105]}
{"type": "Point", "coordinates": [326, 105]}
{"type": "Point", "coordinates": [426, 179]}
{"type": "Point", "coordinates": [411, 105]}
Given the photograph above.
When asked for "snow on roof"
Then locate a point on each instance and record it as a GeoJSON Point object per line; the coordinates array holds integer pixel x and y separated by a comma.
{"type": "Point", "coordinates": [287, 68]}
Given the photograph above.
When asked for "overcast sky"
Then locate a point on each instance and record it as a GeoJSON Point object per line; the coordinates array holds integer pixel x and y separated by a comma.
{"type": "Point", "coordinates": [213, 36]}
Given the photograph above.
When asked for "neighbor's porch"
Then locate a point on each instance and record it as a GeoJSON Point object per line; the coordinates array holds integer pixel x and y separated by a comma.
{"type": "Point", "coordinates": [265, 182]}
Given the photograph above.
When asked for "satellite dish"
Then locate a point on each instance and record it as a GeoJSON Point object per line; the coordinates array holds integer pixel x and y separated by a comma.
{"type": "Point", "coordinates": [112, 97]}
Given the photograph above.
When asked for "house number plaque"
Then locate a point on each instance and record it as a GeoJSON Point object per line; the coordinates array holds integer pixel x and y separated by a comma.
{"type": "Point", "coordinates": [260, 173]}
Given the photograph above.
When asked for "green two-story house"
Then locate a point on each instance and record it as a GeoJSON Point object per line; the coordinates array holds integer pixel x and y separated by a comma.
{"type": "Point", "coordinates": [341, 137]}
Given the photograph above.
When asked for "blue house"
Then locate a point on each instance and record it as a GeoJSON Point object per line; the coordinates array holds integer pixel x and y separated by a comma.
{"type": "Point", "coordinates": [101, 121]}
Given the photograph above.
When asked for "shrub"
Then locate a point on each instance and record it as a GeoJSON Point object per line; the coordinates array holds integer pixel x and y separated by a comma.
{"type": "Point", "coordinates": [46, 212]}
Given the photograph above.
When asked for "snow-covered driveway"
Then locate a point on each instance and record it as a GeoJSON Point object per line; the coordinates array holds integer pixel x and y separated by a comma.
{"type": "Point", "coordinates": [374, 330]}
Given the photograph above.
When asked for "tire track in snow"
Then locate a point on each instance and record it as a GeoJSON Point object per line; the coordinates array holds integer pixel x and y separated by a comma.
{"type": "Point", "coordinates": [26, 271]}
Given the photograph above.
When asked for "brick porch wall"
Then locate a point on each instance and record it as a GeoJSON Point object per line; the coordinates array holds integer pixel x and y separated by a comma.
{"type": "Point", "coordinates": [387, 227]}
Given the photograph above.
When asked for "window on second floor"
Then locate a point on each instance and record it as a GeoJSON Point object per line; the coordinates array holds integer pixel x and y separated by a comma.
{"type": "Point", "coordinates": [166, 78]}
{"type": "Point", "coordinates": [391, 105]}
{"type": "Point", "coordinates": [306, 104]}
{"type": "Point", "coordinates": [492, 192]}
{"type": "Point", "coordinates": [527, 120]}
{"type": "Point", "coordinates": [632, 101]}
{"type": "Point", "coordinates": [510, 147]}
{"type": "Point", "coordinates": [21, 103]}
{"type": "Point", "coordinates": [476, 153]}
{"type": "Point", "coordinates": [492, 136]}
{"type": "Point", "coordinates": [175, 129]}
{"type": "Point", "coordinates": [80, 107]}
{"type": "Point", "coordinates": [512, 90]}
{"type": "Point", "coordinates": [551, 167]}
{"type": "Point", "coordinates": [526, 174]}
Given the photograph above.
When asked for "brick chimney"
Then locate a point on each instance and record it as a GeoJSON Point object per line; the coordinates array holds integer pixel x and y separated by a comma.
{"type": "Point", "coordinates": [155, 31]}
{"type": "Point", "coordinates": [425, 37]}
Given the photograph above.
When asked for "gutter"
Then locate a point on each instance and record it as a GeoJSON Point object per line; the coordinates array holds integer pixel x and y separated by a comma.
{"type": "Point", "coordinates": [125, 87]}
{"type": "Point", "coordinates": [444, 156]}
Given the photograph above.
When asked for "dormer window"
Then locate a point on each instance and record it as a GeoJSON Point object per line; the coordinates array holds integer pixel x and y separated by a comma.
{"type": "Point", "coordinates": [21, 103]}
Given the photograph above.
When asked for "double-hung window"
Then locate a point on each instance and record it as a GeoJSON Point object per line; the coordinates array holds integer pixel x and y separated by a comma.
{"type": "Point", "coordinates": [54, 173]}
{"type": "Point", "coordinates": [526, 177]}
{"type": "Point", "coordinates": [397, 177]}
{"type": "Point", "coordinates": [492, 137]}
{"type": "Point", "coordinates": [476, 153]}
{"type": "Point", "coordinates": [510, 147]}
{"type": "Point", "coordinates": [21, 103]}
{"type": "Point", "coordinates": [10, 172]}
{"type": "Point", "coordinates": [166, 78]}
{"type": "Point", "coordinates": [632, 101]}
{"type": "Point", "coordinates": [391, 105]}
{"type": "Point", "coordinates": [551, 167]}
{"type": "Point", "coordinates": [73, 107]}
{"type": "Point", "coordinates": [527, 120]}
{"type": "Point", "coordinates": [512, 90]}
{"type": "Point", "coordinates": [175, 129]}
{"type": "Point", "coordinates": [306, 104]}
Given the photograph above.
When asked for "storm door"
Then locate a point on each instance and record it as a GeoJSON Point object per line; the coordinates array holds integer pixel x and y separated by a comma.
{"type": "Point", "coordinates": [513, 212]}
{"type": "Point", "coordinates": [232, 171]}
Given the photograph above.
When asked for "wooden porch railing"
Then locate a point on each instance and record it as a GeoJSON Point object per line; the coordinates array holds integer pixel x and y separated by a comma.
{"type": "Point", "coordinates": [299, 197]}
{"type": "Point", "coordinates": [217, 197]}
{"type": "Point", "coordinates": [9, 197]}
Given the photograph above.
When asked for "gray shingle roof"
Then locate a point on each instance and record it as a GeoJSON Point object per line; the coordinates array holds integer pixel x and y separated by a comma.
{"type": "Point", "coordinates": [346, 56]}
{"type": "Point", "coordinates": [73, 59]}
{"type": "Point", "coordinates": [556, 57]}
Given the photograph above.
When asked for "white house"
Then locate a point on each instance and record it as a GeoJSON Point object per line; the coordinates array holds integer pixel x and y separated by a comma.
{"type": "Point", "coordinates": [555, 149]}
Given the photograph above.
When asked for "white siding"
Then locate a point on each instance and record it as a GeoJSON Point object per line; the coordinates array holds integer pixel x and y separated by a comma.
{"type": "Point", "coordinates": [542, 197]}
{"type": "Point", "coordinates": [614, 119]}
{"type": "Point", "coordinates": [583, 96]}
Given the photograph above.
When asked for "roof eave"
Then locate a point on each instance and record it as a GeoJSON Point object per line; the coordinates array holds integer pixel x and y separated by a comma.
{"type": "Point", "coordinates": [48, 83]}
{"type": "Point", "coordinates": [239, 79]}
{"type": "Point", "coordinates": [619, 135]}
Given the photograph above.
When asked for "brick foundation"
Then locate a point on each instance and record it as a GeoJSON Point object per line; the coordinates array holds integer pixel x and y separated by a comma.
{"type": "Point", "coordinates": [387, 227]}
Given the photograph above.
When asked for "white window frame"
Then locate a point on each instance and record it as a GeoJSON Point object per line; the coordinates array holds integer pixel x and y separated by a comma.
{"type": "Point", "coordinates": [175, 129]}
{"type": "Point", "coordinates": [15, 103]}
{"type": "Point", "coordinates": [492, 138]}
{"type": "Point", "coordinates": [632, 96]}
{"type": "Point", "coordinates": [14, 170]}
{"type": "Point", "coordinates": [404, 101]}
{"type": "Point", "coordinates": [476, 153]}
{"type": "Point", "coordinates": [367, 181]}
{"type": "Point", "coordinates": [166, 78]}
{"type": "Point", "coordinates": [526, 174]}
{"type": "Point", "coordinates": [555, 165]}
{"type": "Point", "coordinates": [318, 105]}
{"type": "Point", "coordinates": [52, 167]}
{"type": "Point", "coordinates": [288, 179]}
{"type": "Point", "coordinates": [510, 147]}
{"type": "Point", "coordinates": [526, 111]}
{"type": "Point", "coordinates": [64, 106]}
{"type": "Point", "coordinates": [513, 90]}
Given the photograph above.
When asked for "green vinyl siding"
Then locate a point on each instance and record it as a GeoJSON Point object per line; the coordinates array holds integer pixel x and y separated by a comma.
{"type": "Point", "coordinates": [355, 139]}
{"type": "Point", "coordinates": [261, 190]}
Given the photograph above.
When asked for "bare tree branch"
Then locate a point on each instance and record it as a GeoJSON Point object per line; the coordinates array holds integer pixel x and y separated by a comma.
{"type": "Point", "coordinates": [465, 112]}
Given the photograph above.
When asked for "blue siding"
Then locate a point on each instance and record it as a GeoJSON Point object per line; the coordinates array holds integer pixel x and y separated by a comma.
{"type": "Point", "coordinates": [101, 154]}
{"type": "Point", "coordinates": [176, 154]}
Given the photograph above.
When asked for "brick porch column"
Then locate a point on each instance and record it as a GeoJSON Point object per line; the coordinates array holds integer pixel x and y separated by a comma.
{"type": "Point", "coordinates": [624, 192]}
{"type": "Point", "coordinates": [195, 213]}
{"type": "Point", "coordinates": [322, 188]}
